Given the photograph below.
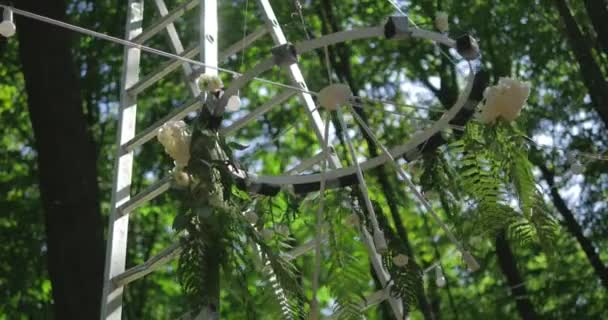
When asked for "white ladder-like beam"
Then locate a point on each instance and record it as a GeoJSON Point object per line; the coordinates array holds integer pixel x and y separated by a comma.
{"type": "Point", "coordinates": [171, 65]}
{"type": "Point", "coordinates": [167, 19]}
{"type": "Point", "coordinates": [177, 46]}
{"type": "Point", "coordinates": [116, 248]}
{"type": "Point", "coordinates": [208, 36]}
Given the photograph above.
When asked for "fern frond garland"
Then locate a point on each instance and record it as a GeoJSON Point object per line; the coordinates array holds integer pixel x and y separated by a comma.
{"type": "Point", "coordinates": [491, 171]}
{"type": "Point", "coordinates": [406, 280]}
{"type": "Point", "coordinates": [215, 234]}
{"type": "Point", "coordinates": [345, 282]}
{"type": "Point", "coordinates": [406, 276]}
{"type": "Point", "coordinates": [494, 169]}
{"type": "Point", "coordinates": [346, 266]}
{"type": "Point", "coordinates": [282, 276]}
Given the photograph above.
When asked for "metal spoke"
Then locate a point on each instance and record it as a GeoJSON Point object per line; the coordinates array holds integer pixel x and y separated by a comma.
{"type": "Point", "coordinates": [471, 262]}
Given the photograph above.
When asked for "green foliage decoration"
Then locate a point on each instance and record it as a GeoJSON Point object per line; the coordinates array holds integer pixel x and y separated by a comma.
{"type": "Point", "coordinates": [214, 233]}
{"type": "Point", "coordinates": [494, 172]}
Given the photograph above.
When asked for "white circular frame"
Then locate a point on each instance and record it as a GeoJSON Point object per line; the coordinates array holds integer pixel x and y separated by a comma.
{"type": "Point", "coordinates": [281, 181]}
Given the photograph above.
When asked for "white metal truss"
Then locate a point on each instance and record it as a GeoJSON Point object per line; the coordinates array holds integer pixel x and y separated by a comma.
{"type": "Point", "coordinates": [116, 248]}
{"type": "Point", "coordinates": [116, 277]}
{"type": "Point", "coordinates": [176, 43]}
{"type": "Point", "coordinates": [319, 129]}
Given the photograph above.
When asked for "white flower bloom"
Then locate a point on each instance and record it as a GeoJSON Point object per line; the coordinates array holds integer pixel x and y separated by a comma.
{"type": "Point", "coordinates": [352, 220]}
{"type": "Point", "coordinates": [335, 95]}
{"type": "Point", "coordinates": [504, 100]}
{"type": "Point", "coordinates": [267, 234]}
{"type": "Point", "coordinates": [251, 217]}
{"type": "Point", "coordinates": [441, 21]}
{"type": "Point", "coordinates": [175, 137]}
{"type": "Point", "coordinates": [181, 178]}
{"type": "Point", "coordinates": [234, 103]}
{"type": "Point", "coordinates": [210, 83]}
{"type": "Point", "coordinates": [401, 260]}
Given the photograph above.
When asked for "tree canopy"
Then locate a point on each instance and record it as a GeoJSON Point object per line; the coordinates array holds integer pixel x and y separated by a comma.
{"type": "Point", "coordinates": [527, 198]}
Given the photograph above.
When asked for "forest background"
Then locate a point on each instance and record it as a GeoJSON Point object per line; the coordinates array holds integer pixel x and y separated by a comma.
{"type": "Point", "coordinates": [59, 96]}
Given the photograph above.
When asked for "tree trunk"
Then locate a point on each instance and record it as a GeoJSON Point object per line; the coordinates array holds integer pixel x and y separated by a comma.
{"type": "Point", "coordinates": [66, 161]}
{"type": "Point", "coordinates": [506, 260]}
{"type": "Point", "coordinates": [598, 13]}
{"type": "Point", "coordinates": [590, 70]}
{"type": "Point", "coordinates": [575, 229]}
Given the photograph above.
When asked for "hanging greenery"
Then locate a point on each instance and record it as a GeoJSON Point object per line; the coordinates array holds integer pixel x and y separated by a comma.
{"type": "Point", "coordinates": [489, 169]}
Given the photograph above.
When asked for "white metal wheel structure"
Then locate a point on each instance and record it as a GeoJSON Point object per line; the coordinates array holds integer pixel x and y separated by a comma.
{"type": "Point", "coordinates": [284, 55]}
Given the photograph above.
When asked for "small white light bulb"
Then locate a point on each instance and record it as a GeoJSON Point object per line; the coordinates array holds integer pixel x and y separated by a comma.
{"type": "Point", "coordinates": [334, 96]}
{"type": "Point", "coordinates": [234, 103]}
{"type": "Point", "coordinates": [7, 27]}
{"type": "Point", "coordinates": [439, 277]}
{"type": "Point", "coordinates": [401, 260]}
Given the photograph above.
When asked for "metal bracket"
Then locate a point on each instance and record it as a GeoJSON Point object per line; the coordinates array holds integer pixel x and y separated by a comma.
{"type": "Point", "coordinates": [397, 27]}
{"type": "Point", "coordinates": [285, 54]}
{"type": "Point", "coordinates": [212, 102]}
{"type": "Point", "coordinates": [467, 47]}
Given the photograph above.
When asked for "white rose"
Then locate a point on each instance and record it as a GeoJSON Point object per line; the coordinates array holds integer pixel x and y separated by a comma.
{"type": "Point", "coordinates": [335, 95]}
{"type": "Point", "coordinates": [504, 100]}
{"type": "Point", "coordinates": [181, 178]}
{"type": "Point", "coordinates": [175, 137]}
{"type": "Point", "coordinates": [401, 260]}
{"type": "Point", "coordinates": [441, 21]}
{"type": "Point", "coordinates": [211, 83]}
